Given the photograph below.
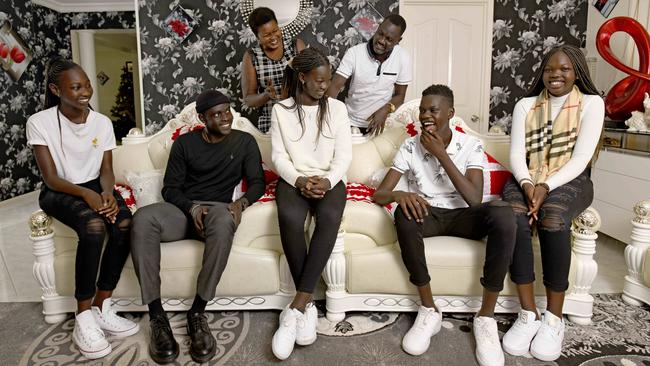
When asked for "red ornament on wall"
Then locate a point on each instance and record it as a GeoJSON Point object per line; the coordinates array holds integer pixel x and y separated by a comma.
{"type": "Point", "coordinates": [626, 95]}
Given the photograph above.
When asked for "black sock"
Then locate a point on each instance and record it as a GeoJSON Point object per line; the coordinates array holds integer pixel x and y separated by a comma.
{"type": "Point", "coordinates": [198, 306]}
{"type": "Point", "coordinates": [155, 308]}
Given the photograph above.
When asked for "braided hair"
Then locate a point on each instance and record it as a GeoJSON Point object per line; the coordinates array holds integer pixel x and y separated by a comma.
{"type": "Point", "coordinates": [583, 79]}
{"type": "Point", "coordinates": [53, 70]}
{"type": "Point", "coordinates": [304, 62]}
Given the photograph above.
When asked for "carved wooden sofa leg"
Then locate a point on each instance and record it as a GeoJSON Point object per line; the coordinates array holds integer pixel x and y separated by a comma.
{"type": "Point", "coordinates": [635, 291]}
{"type": "Point", "coordinates": [42, 238]}
{"type": "Point", "coordinates": [334, 275]}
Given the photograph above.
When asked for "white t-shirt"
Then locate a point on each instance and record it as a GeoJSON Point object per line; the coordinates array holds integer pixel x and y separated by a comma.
{"type": "Point", "coordinates": [372, 82]}
{"type": "Point", "coordinates": [78, 149]}
{"type": "Point", "coordinates": [592, 118]}
{"type": "Point", "coordinates": [328, 155]}
{"type": "Point", "coordinates": [426, 176]}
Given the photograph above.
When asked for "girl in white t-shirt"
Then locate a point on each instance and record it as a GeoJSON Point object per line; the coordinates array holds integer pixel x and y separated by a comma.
{"type": "Point", "coordinates": [72, 145]}
{"type": "Point", "coordinates": [311, 149]}
{"type": "Point", "coordinates": [555, 133]}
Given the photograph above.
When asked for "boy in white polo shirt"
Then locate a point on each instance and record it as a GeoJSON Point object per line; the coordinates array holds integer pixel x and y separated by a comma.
{"type": "Point", "coordinates": [380, 71]}
{"type": "Point", "coordinates": [444, 170]}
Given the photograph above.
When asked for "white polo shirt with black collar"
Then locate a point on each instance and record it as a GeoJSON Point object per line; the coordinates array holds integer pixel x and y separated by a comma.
{"type": "Point", "coordinates": [372, 82]}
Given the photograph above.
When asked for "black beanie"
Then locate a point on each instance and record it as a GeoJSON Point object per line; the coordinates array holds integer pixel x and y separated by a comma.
{"type": "Point", "coordinates": [209, 99]}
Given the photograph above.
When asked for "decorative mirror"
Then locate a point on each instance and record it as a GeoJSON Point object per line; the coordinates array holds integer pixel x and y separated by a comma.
{"type": "Point", "coordinates": [293, 15]}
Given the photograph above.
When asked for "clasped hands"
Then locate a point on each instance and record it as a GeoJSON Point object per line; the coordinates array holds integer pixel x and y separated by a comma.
{"type": "Point", "coordinates": [103, 203]}
{"type": "Point", "coordinates": [313, 187]}
{"type": "Point", "coordinates": [199, 212]}
{"type": "Point", "coordinates": [535, 196]}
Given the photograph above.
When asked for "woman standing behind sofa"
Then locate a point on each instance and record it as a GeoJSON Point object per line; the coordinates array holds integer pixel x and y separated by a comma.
{"type": "Point", "coordinates": [264, 65]}
{"type": "Point", "coordinates": [72, 145]}
{"type": "Point", "coordinates": [555, 132]}
{"type": "Point", "coordinates": [311, 149]}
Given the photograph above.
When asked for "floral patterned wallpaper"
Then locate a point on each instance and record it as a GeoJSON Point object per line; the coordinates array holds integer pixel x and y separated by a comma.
{"type": "Point", "coordinates": [522, 32]}
{"type": "Point", "coordinates": [210, 58]}
{"type": "Point", "coordinates": [46, 33]}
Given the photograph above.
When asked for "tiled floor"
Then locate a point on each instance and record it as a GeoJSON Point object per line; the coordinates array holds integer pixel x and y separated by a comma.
{"type": "Point", "coordinates": [17, 283]}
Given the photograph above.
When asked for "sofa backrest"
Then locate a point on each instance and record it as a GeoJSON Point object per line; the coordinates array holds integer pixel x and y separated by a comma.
{"type": "Point", "coordinates": [151, 152]}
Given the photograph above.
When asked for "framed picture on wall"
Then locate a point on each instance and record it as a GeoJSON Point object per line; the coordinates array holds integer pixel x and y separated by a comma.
{"type": "Point", "coordinates": [605, 7]}
{"type": "Point", "coordinates": [179, 24]}
{"type": "Point", "coordinates": [14, 55]}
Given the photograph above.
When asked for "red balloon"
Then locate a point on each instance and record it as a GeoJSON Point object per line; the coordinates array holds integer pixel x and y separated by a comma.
{"type": "Point", "coordinates": [626, 95]}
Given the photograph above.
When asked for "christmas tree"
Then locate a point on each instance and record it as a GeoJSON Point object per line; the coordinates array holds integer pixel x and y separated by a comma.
{"type": "Point", "coordinates": [123, 112]}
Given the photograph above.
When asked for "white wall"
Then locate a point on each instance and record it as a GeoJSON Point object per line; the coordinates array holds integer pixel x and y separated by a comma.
{"type": "Point", "coordinates": [606, 75]}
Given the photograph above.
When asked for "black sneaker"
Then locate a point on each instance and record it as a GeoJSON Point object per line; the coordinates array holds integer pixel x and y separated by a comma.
{"type": "Point", "coordinates": [163, 348]}
{"type": "Point", "coordinates": [203, 346]}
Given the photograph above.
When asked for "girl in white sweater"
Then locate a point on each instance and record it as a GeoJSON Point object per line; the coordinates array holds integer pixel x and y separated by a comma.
{"type": "Point", "coordinates": [311, 151]}
{"type": "Point", "coordinates": [555, 133]}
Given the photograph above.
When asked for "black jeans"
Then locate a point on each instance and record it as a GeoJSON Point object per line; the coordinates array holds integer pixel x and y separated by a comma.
{"type": "Point", "coordinates": [494, 219]}
{"type": "Point", "coordinates": [306, 267]}
{"type": "Point", "coordinates": [91, 229]}
{"type": "Point", "coordinates": [562, 205]}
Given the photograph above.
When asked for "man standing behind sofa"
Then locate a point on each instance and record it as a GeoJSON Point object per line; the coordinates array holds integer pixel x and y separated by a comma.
{"type": "Point", "coordinates": [203, 169]}
{"type": "Point", "coordinates": [380, 72]}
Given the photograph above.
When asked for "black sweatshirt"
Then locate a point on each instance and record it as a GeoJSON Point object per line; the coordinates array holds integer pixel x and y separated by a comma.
{"type": "Point", "coordinates": [201, 171]}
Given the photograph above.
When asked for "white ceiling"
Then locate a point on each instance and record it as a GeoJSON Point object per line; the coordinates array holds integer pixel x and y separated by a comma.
{"type": "Point", "coordinates": [69, 6]}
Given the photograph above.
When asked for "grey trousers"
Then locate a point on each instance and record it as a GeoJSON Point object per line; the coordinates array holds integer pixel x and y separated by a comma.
{"type": "Point", "coordinates": [162, 222]}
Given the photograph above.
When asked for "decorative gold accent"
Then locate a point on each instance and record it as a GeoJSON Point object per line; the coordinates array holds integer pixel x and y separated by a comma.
{"type": "Point", "coordinates": [588, 222]}
{"type": "Point", "coordinates": [39, 224]}
{"type": "Point", "coordinates": [642, 212]}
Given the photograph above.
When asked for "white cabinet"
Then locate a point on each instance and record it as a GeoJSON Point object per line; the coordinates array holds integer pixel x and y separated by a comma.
{"type": "Point", "coordinates": [620, 181]}
{"type": "Point", "coordinates": [450, 42]}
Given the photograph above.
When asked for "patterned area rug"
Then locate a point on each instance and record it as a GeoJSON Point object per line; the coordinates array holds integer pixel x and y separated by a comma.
{"type": "Point", "coordinates": [619, 336]}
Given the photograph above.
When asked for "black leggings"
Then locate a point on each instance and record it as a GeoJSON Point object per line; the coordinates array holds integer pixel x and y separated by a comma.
{"type": "Point", "coordinates": [91, 229]}
{"type": "Point", "coordinates": [306, 267]}
{"type": "Point", "coordinates": [562, 205]}
{"type": "Point", "coordinates": [494, 219]}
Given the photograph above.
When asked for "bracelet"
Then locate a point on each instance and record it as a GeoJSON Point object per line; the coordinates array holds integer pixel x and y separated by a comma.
{"type": "Point", "coordinates": [545, 186]}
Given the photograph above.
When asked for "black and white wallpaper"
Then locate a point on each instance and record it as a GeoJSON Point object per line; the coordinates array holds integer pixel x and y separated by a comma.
{"type": "Point", "coordinates": [46, 33]}
{"type": "Point", "coordinates": [522, 32]}
{"type": "Point", "coordinates": [210, 58]}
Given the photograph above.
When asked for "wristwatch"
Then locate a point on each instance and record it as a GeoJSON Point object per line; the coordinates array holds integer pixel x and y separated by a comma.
{"type": "Point", "coordinates": [391, 107]}
{"type": "Point", "coordinates": [545, 186]}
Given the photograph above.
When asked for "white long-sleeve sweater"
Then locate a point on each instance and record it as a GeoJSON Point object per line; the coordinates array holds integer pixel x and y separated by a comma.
{"type": "Point", "coordinates": [328, 155]}
{"type": "Point", "coordinates": [591, 125]}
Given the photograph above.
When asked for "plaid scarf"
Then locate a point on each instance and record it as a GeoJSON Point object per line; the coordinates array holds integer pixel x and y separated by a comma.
{"type": "Point", "coordinates": [549, 144]}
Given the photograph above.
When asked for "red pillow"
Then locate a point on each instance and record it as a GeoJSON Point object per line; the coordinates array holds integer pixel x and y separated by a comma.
{"type": "Point", "coordinates": [127, 195]}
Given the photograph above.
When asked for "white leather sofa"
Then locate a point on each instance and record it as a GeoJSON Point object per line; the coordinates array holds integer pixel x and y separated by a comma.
{"type": "Point", "coordinates": [364, 272]}
{"type": "Point", "coordinates": [636, 289]}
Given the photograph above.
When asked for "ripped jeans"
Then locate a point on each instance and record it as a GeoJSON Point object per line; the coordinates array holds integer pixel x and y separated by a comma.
{"type": "Point", "coordinates": [561, 206]}
{"type": "Point", "coordinates": [91, 228]}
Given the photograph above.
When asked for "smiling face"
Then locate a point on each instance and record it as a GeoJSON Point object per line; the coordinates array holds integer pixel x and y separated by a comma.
{"type": "Point", "coordinates": [269, 35]}
{"type": "Point", "coordinates": [217, 120]}
{"type": "Point", "coordinates": [73, 89]}
{"type": "Point", "coordinates": [386, 37]}
{"type": "Point", "coordinates": [315, 83]}
{"type": "Point", "coordinates": [435, 112]}
{"type": "Point", "coordinates": [559, 74]}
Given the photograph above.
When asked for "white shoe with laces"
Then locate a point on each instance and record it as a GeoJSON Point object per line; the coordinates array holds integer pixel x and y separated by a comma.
{"type": "Point", "coordinates": [306, 326]}
{"type": "Point", "coordinates": [517, 339]}
{"type": "Point", "coordinates": [111, 323]}
{"type": "Point", "coordinates": [427, 323]}
{"type": "Point", "coordinates": [285, 337]}
{"type": "Point", "coordinates": [488, 348]}
{"type": "Point", "coordinates": [547, 344]}
{"type": "Point", "coordinates": [88, 337]}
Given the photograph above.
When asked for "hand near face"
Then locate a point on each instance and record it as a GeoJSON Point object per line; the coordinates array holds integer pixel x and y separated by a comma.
{"type": "Point", "coordinates": [433, 143]}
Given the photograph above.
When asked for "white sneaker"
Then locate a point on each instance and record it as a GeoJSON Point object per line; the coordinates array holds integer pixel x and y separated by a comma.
{"type": "Point", "coordinates": [306, 328]}
{"type": "Point", "coordinates": [488, 348]}
{"type": "Point", "coordinates": [547, 345]}
{"type": "Point", "coordinates": [517, 339]}
{"type": "Point", "coordinates": [111, 323]}
{"type": "Point", "coordinates": [285, 337]}
{"type": "Point", "coordinates": [89, 337]}
{"type": "Point", "coordinates": [416, 341]}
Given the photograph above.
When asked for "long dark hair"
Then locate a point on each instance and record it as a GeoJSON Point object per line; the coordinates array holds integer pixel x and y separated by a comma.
{"type": "Point", "coordinates": [53, 70]}
{"type": "Point", "coordinates": [583, 79]}
{"type": "Point", "coordinates": [304, 62]}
